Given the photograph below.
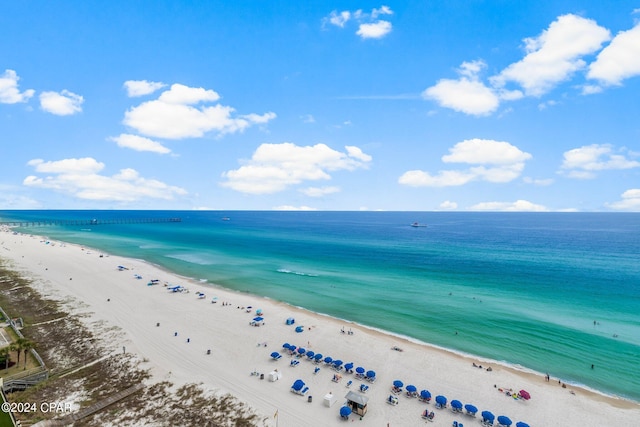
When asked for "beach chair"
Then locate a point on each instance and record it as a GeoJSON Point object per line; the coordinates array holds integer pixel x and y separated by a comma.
{"type": "Point", "coordinates": [392, 400]}
{"type": "Point", "coordinates": [349, 383]}
{"type": "Point", "coordinates": [304, 391]}
{"type": "Point", "coordinates": [364, 388]}
{"type": "Point", "coordinates": [315, 371]}
{"type": "Point", "coordinates": [429, 416]}
{"type": "Point", "coordinates": [396, 390]}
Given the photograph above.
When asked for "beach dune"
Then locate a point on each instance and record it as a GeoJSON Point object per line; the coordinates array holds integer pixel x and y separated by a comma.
{"type": "Point", "coordinates": [206, 336]}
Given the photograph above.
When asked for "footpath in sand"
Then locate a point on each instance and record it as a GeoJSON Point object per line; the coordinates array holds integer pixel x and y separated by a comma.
{"type": "Point", "coordinates": [185, 337]}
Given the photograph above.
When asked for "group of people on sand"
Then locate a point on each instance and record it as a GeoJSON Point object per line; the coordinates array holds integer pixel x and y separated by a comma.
{"type": "Point", "coordinates": [480, 366]}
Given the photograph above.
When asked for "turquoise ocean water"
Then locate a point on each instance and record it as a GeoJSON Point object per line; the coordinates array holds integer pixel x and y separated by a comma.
{"type": "Point", "coordinates": [550, 292]}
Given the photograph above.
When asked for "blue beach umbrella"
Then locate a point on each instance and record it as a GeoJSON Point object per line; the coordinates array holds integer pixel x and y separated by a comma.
{"type": "Point", "coordinates": [398, 384]}
{"type": "Point", "coordinates": [310, 354]}
{"type": "Point", "coordinates": [297, 385]}
{"type": "Point", "coordinates": [328, 359]}
{"type": "Point", "coordinates": [348, 366]}
{"type": "Point", "coordinates": [411, 388]}
{"type": "Point", "coordinates": [301, 350]}
{"type": "Point", "coordinates": [470, 408]}
{"type": "Point", "coordinates": [258, 319]}
{"type": "Point", "coordinates": [441, 399]}
{"type": "Point", "coordinates": [286, 345]}
{"type": "Point", "coordinates": [318, 357]}
{"type": "Point", "coordinates": [488, 416]}
{"type": "Point", "coordinates": [275, 354]}
{"type": "Point", "coordinates": [371, 374]}
{"type": "Point", "coordinates": [337, 362]}
{"type": "Point", "coordinates": [425, 394]}
{"type": "Point", "coordinates": [505, 421]}
{"type": "Point", "coordinates": [360, 370]}
{"type": "Point", "coordinates": [456, 404]}
{"type": "Point", "coordinates": [521, 424]}
{"type": "Point", "coordinates": [345, 411]}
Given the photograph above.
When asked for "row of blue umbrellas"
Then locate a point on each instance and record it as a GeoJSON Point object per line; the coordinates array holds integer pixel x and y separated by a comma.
{"type": "Point", "coordinates": [442, 400]}
{"type": "Point", "coordinates": [328, 360]}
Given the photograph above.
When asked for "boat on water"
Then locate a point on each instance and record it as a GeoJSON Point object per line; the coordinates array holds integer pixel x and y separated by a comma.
{"type": "Point", "coordinates": [417, 224]}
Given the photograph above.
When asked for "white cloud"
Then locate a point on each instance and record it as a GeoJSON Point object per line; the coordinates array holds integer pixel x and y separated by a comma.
{"type": "Point", "coordinates": [175, 115]}
{"type": "Point", "coordinates": [540, 182]}
{"type": "Point", "coordinates": [375, 30]}
{"type": "Point", "coordinates": [583, 162]}
{"type": "Point", "coordinates": [9, 92]}
{"type": "Point", "coordinates": [618, 61]}
{"type": "Point", "coordinates": [517, 206]}
{"type": "Point", "coordinates": [498, 162]}
{"type": "Point", "coordinates": [80, 178]}
{"type": "Point", "coordinates": [555, 55]}
{"type": "Point", "coordinates": [467, 94]}
{"type": "Point", "coordinates": [448, 205]}
{"type": "Point", "coordinates": [319, 191]}
{"type": "Point", "coordinates": [139, 143]}
{"type": "Point", "coordinates": [63, 103]}
{"type": "Point", "coordinates": [630, 201]}
{"type": "Point", "coordinates": [293, 208]}
{"type": "Point", "coordinates": [274, 167]}
{"type": "Point", "coordinates": [338, 19]}
{"type": "Point", "coordinates": [141, 87]}
{"type": "Point", "coordinates": [308, 118]}
{"type": "Point", "coordinates": [369, 26]}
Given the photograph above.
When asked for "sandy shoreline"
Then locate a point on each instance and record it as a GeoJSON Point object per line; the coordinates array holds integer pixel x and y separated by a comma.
{"type": "Point", "coordinates": [66, 271]}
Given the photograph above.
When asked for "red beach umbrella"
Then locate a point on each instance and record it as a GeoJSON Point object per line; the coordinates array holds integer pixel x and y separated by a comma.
{"type": "Point", "coordinates": [524, 394]}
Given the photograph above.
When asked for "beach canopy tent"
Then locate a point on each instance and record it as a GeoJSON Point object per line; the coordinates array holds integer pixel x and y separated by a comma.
{"type": "Point", "coordinates": [441, 400]}
{"type": "Point", "coordinates": [425, 394]}
{"type": "Point", "coordinates": [470, 408]}
{"type": "Point", "coordinates": [360, 370]}
{"type": "Point", "coordinates": [488, 416]}
{"type": "Point", "coordinates": [411, 388]}
{"type": "Point", "coordinates": [290, 321]}
{"type": "Point", "coordinates": [345, 411]}
{"type": "Point", "coordinates": [357, 402]}
{"type": "Point", "coordinates": [456, 404]}
{"type": "Point", "coordinates": [521, 424]}
{"type": "Point", "coordinates": [398, 384]}
{"type": "Point", "coordinates": [504, 420]}
{"type": "Point", "coordinates": [524, 394]}
{"type": "Point", "coordinates": [297, 385]}
{"type": "Point", "coordinates": [274, 376]}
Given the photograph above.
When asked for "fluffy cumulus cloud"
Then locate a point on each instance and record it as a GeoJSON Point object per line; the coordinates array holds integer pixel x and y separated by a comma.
{"type": "Point", "coordinates": [293, 208]}
{"type": "Point", "coordinates": [179, 113]}
{"type": "Point", "coordinates": [63, 103]}
{"type": "Point", "coordinates": [466, 94]}
{"type": "Point", "coordinates": [491, 161]}
{"type": "Point", "coordinates": [630, 201]}
{"type": "Point", "coordinates": [517, 206]}
{"type": "Point", "coordinates": [555, 55]}
{"type": "Point", "coordinates": [619, 60]}
{"type": "Point", "coordinates": [139, 143]}
{"type": "Point", "coordinates": [136, 88]}
{"type": "Point", "coordinates": [81, 178]}
{"type": "Point", "coordinates": [275, 167]}
{"type": "Point", "coordinates": [448, 205]}
{"type": "Point", "coordinates": [9, 92]}
{"type": "Point", "coordinates": [370, 25]}
{"type": "Point", "coordinates": [585, 161]}
{"type": "Point", "coordinates": [550, 59]}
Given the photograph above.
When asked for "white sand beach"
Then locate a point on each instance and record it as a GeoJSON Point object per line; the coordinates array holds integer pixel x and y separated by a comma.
{"type": "Point", "coordinates": [189, 326]}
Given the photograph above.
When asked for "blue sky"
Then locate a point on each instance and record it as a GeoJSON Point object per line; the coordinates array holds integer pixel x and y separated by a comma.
{"type": "Point", "coordinates": [326, 105]}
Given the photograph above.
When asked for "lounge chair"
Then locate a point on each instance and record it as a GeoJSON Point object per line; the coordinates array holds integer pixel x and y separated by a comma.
{"type": "Point", "coordinates": [304, 391]}
{"type": "Point", "coordinates": [392, 400]}
{"type": "Point", "coordinates": [364, 388]}
{"type": "Point", "coordinates": [396, 390]}
{"type": "Point", "coordinates": [315, 371]}
{"type": "Point", "coordinates": [294, 363]}
{"type": "Point", "coordinates": [429, 416]}
{"type": "Point", "coordinates": [349, 383]}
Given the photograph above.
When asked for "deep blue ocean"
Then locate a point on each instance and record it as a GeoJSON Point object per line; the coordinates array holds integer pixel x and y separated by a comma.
{"type": "Point", "coordinates": [549, 292]}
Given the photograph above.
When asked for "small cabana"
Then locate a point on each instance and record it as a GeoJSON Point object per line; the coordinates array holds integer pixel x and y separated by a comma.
{"type": "Point", "coordinates": [357, 402]}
